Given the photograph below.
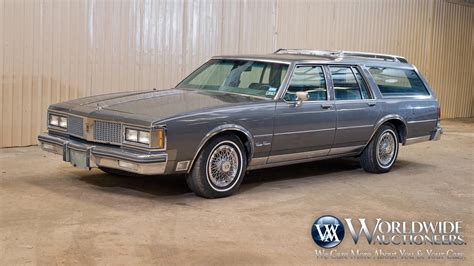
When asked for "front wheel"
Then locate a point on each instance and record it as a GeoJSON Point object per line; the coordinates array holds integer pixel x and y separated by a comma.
{"type": "Point", "coordinates": [219, 168]}
{"type": "Point", "coordinates": [382, 151]}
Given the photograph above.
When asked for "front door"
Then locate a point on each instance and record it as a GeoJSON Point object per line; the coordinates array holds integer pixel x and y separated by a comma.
{"type": "Point", "coordinates": [306, 130]}
{"type": "Point", "coordinates": [356, 108]}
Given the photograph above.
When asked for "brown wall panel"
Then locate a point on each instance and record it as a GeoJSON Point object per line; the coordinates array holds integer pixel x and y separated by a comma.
{"type": "Point", "coordinates": [53, 50]}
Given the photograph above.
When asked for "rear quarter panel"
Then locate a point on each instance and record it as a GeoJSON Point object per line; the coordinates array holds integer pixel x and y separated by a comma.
{"type": "Point", "coordinates": [420, 115]}
{"type": "Point", "coordinates": [419, 112]}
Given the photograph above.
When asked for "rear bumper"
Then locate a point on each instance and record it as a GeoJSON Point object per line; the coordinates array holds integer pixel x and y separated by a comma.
{"type": "Point", "coordinates": [95, 155]}
{"type": "Point", "coordinates": [436, 135]}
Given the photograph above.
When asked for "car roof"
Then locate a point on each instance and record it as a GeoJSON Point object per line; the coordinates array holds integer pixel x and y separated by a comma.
{"type": "Point", "coordinates": [302, 56]}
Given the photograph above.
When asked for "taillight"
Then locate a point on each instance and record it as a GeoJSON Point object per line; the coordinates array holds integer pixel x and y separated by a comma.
{"type": "Point", "coordinates": [439, 113]}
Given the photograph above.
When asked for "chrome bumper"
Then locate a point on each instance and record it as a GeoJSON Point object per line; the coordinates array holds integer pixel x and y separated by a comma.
{"type": "Point", "coordinates": [436, 135]}
{"type": "Point", "coordinates": [95, 155]}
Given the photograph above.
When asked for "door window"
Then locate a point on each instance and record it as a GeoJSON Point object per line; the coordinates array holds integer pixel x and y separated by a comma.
{"type": "Point", "coordinates": [309, 79]}
{"type": "Point", "coordinates": [348, 83]}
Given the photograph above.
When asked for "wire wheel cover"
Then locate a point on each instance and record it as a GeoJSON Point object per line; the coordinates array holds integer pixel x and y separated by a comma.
{"type": "Point", "coordinates": [223, 165]}
{"type": "Point", "coordinates": [386, 148]}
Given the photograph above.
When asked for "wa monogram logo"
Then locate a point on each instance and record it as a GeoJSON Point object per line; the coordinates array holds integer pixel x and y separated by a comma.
{"type": "Point", "coordinates": [327, 231]}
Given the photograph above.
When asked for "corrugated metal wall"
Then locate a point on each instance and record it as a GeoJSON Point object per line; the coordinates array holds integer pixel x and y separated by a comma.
{"type": "Point", "coordinates": [53, 51]}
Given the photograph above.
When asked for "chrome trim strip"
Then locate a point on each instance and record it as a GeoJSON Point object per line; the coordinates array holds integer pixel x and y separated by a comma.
{"type": "Point", "coordinates": [262, 166]}
{"type": "Point", "coordinates": [143, 169]}
{"type": "Point", "coordinates": [261, 144]}
{"type": "Point", "coordinates": [334, 54]}
{"type": "Point", "coordinates": [257, 162]}
{"type": "Point", "coordinates": [256, 59]}
{"type": "Point", "coordinates": [417, 97]}
{"type": "Point", "coordinates": [352, 109]}
{"type": "Point", "coordinates": [263, 135]}
{"type": "Point", "coordinates": [297, 156]}
{"type": "Point", "coordinates": [286, 82]}
{"type": "Point", "coordinates": [422, 121]}
{"type": "Point", "coordinates": [304, 131]}
{"type": "Point", "coordinates": [417, 140]}
{"type": "Point", "coordinates": [348, 149]}
{"type": "Point", "coordinates": [385, 119]}
{"type": "Point", "coordinates": [219, 129]}
{"type": "Point", "coordinates": [362, 126]}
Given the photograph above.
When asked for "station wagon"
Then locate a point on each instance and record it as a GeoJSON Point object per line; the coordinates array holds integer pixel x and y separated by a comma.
{"type": "Point", "coordinates": [243, 112]}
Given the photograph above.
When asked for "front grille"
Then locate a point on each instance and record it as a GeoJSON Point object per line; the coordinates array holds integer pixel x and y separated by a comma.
{"type": "Point", "coordinates": [75, 126]}
{"type": "Point", "coordinates": [108, 131]}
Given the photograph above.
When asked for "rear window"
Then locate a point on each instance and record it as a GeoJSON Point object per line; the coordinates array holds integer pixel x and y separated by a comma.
{"type": "Point", "coordinates": [398, 82]}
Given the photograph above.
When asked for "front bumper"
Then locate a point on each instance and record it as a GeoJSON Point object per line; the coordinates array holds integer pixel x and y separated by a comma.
{"type": "Point", "coordinates": [88, 155]}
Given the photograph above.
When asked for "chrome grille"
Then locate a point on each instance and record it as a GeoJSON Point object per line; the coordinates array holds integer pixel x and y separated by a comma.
{"type": "Point", "coordinates": [75, 126]}
{"type": "Point", "coordinates": [108, 131]}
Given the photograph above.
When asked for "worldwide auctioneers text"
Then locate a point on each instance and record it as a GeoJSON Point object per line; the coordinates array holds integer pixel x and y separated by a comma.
{"type": "Point", "coordinates": [417, 240]}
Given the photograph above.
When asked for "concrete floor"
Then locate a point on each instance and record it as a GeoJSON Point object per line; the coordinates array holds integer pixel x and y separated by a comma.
{"type": "Point", "coordinates": [52, 213]}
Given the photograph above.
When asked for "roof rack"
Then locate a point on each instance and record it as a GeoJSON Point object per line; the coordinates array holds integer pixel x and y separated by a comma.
{"type": "Point", "coordinates": [323, 53]}
{"type": "Point", "coordinates": [341, 54]}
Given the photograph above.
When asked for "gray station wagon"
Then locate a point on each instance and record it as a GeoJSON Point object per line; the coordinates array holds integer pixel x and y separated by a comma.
{"type": "Point", "coordinates": [238, 113]}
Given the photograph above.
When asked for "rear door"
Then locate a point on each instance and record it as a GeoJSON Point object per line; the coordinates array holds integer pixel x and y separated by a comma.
{"type": "Point", "coordinates": [356, 109]}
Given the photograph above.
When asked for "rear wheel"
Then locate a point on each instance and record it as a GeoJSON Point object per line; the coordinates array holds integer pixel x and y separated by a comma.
{"type": "Point", "coordinates": [219, 168]}
{"type": "Point", "coordinates": [382, 151]}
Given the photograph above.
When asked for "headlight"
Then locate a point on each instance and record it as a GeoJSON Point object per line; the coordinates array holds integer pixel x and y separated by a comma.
{"type": "Point", "coordinates": [152, 138]}
{"type": "Point", "coordinates": [144, 137]}
{"type": "Point", "coordinates": [136, 135]}
{"type": "Point", "coordinates": [63, 122]}
{"type": "Point", "coordinates": [54, 120]}
{"type": "Point", "coordinates": [57, 121]}
{"type": "Point", "coordinates": [131, 135]}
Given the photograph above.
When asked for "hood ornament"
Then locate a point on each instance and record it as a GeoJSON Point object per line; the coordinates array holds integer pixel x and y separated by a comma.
{"type": "Point", "coordinates": [98, 107]}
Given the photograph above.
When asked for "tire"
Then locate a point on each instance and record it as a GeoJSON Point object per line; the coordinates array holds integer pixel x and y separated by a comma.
{"type": "Point", "coordinates": [214, 176]}
{"type": "Point", "coordinates": [386, 141]}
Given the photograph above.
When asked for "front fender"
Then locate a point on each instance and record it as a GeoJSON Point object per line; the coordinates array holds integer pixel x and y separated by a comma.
{"type": "Point", "coordinates": [220, 129]}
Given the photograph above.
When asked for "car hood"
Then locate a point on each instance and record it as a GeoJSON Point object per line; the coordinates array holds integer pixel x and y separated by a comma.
{"type": "Point", "coordinates": [146, 107]}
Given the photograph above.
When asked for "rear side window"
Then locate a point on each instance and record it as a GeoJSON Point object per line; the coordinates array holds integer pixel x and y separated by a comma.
{"type": "Point", "coordinates": [398, 82]}
{"type": "Point", "coordinates": [348, 83]}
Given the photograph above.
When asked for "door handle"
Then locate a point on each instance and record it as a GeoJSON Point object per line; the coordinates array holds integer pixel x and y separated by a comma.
{"type": "Point", "coordinates": [371, 103]}
{"type": "Point", "coordinates": [326, 105]}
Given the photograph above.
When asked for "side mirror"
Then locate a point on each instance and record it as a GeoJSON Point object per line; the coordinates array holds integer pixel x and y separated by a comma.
{"type": "Point", "coordinates": [301, 96]}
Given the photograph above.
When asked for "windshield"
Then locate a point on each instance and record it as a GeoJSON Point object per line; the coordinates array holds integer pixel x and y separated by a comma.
{"type": "Point", "coordinates": [253, 78]}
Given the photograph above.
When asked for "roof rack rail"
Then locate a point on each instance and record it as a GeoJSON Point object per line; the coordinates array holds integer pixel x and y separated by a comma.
{"type": "Point", "coordinates": [324, 53]}
{"type": "Point", "coordinates": [341, 54]}
{"type": "Point", "coordinates": [386, 57]}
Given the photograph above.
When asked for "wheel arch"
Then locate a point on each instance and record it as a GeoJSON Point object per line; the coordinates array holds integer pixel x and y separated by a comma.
{"type": "Point", "coordinates": [242, 133]}
{"type": "Point", "coordinates": [397, 121]}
